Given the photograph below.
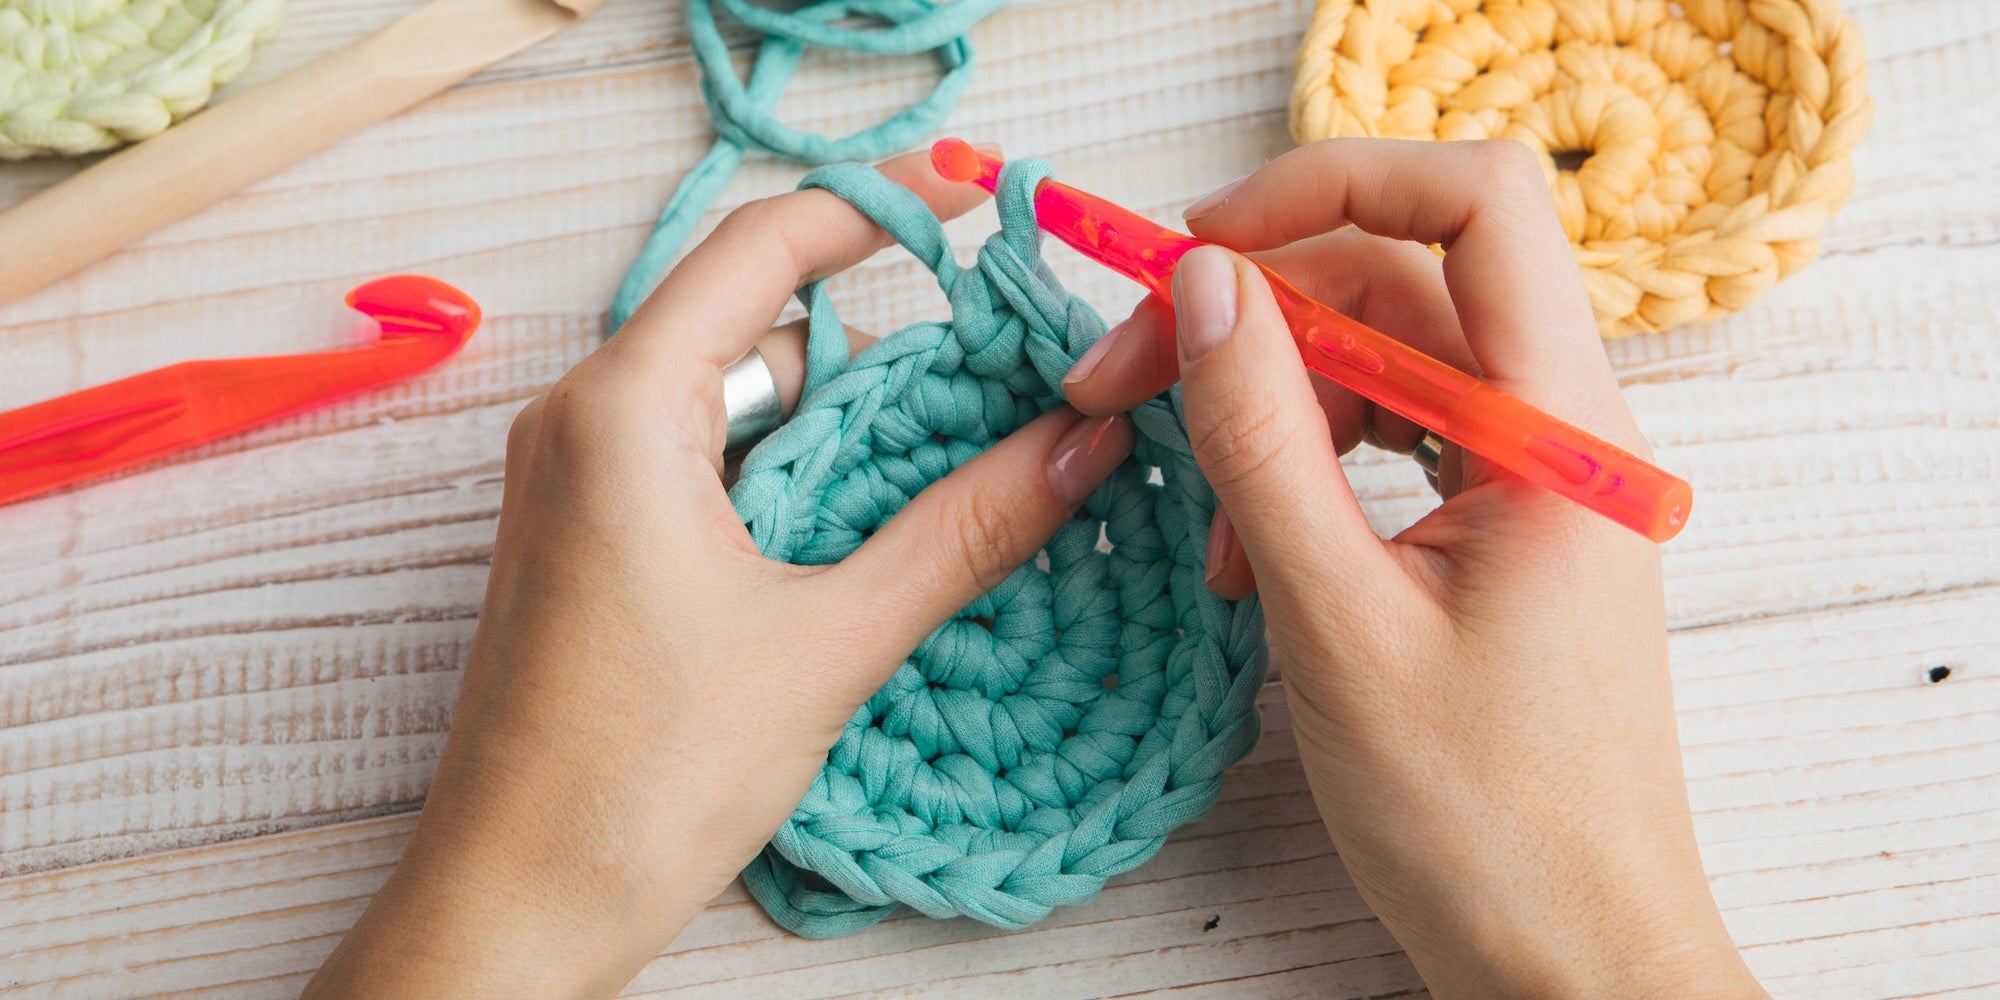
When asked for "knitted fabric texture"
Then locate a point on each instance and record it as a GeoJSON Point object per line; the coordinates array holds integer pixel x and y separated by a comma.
{"type": "Point", "coordinates": [79, 76]}
{"type": "Point", "coordinates": [1719, 132]}
{"type": "Point", "coordinates": [1053, 733]}
{"type": "Point", "coordinates": [742, 111]}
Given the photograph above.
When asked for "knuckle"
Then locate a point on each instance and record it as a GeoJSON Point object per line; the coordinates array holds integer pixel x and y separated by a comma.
{"type": "Point", "coordinates": [521, 433]}
{"type": "Point", "coordinates": [1238, 451]}
{"type": "Point", "coordinates": [753, 230]}
{"type": "Point", "coordinates": [696, 385]}
{"type": "Point", "coordinates": [773, 229]}
{"type": "Point", "coordinates": [754, 217]}
{"type": "Point", "coordinates": [1349, 437]}
{"type": "Point", "coordinates": [1329, 150]}
{"type": "Point", "coordinates": [566, 420]}
{"type": "Point", "coordinates": [984, 534]}
{"type": "Point", "coordinates": [1512, 167]}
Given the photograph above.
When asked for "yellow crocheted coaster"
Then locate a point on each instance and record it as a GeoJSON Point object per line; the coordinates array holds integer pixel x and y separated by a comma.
{"type": "Point", "coordinates": [1718, 132]}
{"type": "Point", "coordinates": [78, 76]}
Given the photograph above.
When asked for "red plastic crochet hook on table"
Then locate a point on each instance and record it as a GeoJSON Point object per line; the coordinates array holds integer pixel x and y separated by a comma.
{"type": "Point", "coordinates": [124, 423]}
{"type": "Point", "coordinates": [1483, 420]}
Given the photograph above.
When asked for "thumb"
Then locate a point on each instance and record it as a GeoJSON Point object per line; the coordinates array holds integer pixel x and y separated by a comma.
{"type": "Point", "coordinates": [962, 535]}
{"type": "Point", "coordinates": [1259, 433]}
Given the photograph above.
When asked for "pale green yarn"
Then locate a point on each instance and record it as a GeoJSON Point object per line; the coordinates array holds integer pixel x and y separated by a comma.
{"type": "Point", "coordinates": [998, 775]}
{"type": "Point", "coordinates": [79, 76]}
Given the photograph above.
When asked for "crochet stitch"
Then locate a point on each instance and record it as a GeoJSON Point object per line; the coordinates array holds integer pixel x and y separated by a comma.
{"type": "Point", "coordinates": [1053, 733]}
{"type": "Point", "coordinates": [1719, 131]}
{"type": "Point", "coordinates": [86, 75]}
{"type": "Point", "coordinates": [742, 112]}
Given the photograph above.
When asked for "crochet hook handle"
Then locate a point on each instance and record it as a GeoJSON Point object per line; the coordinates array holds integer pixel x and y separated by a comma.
{"type": "Point", "coordinates": [121, 424]}
{"type": "Point", "coordinates": [1479, 418]}
{"type": "Point", "coordinates": [1485, 421]}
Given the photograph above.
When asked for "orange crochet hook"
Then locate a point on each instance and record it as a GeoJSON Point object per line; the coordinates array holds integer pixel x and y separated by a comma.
{"type": "Point", "coordinates": [124, 423]}
{"type": "Point", "coordinates": [1483, 420]}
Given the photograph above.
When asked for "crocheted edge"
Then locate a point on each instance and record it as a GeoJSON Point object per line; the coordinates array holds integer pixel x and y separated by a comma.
{"type": "Point", "coordinates": [1217, 726]}
{"type": "Point", "coordinates": [109, 113]}
{"type": "Point", "coordinates": [1341, 89]}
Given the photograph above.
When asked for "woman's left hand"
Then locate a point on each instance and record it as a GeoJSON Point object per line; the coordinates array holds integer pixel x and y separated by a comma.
{"type": "Point", "coordinates": [648, 697]}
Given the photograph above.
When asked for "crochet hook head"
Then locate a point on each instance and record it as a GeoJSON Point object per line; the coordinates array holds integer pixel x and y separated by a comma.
{"type": "Point", "coordinates": [124, 423]}
{"type": "Point", "coordinates": [1118, 238]}
{"type": "Point", "coordinates": [409, 305]}
{"type": "Point", "coordinates": [956, 160]}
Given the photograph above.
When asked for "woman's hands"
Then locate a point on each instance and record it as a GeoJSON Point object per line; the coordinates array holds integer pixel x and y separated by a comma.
{"type": "Point", "coordinates": [1482, 704]}
{"type": "Point", "coordinates": [648, 696]}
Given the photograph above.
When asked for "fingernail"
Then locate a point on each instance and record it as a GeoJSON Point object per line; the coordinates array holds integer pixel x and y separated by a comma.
{"type": "Point", "coordinates": [1204, 300]}
{"type": "Point", "coordinates": [1212, 200]}
{"type": "Point", "coordinates": [1088, 363]}
{"type": "Point", "coordinates": [1085, 454]}
{"type": "Point", "coordinates": [1221, 536]}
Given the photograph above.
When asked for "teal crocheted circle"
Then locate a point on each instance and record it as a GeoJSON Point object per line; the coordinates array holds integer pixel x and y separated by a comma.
{"type": "Point", "coordinates": [1052, 734]}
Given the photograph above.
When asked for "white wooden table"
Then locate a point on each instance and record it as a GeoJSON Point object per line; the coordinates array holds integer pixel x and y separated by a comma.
{"type": "Point", "coordinates": [225, 679]}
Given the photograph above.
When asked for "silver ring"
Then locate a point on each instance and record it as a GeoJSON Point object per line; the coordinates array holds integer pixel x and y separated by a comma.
{"type": "Point", "coordinates": [1429, 452]}
{"type": "Point", "coordinates": [749, 402]}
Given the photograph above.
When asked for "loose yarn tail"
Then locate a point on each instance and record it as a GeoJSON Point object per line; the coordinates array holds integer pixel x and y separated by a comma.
{"type": "Point", "coordinates": [742, 112]}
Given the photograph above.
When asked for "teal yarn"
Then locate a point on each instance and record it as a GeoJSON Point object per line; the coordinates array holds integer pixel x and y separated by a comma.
{"type": "Point", "coordinates": [1051, 735]}
{"type": "Point", "coordinates": [742, 112]}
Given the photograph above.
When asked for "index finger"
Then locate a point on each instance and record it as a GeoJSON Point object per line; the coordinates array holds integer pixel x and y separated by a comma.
{"type": "Point", "coordinates": [729, 290]}
{"type": "Point", "coordinates": [1513, 278]}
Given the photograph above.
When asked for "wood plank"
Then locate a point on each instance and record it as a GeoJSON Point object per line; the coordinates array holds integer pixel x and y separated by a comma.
{"type": "Point", "coordinates": [264, 636]}
{"type": "Point", "coordinates": [1822, 873]}
{"type": "Point", "coordinates": [302, 577]}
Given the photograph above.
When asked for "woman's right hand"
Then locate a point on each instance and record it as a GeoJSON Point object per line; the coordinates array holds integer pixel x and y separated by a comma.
{"type": "Point", "coordinates": [1482, 703]}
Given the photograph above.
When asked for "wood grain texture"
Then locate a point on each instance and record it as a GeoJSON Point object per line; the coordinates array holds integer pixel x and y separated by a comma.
{"type": "Point", "coordinates": [1848, 813]}
{"type": "Point", "coordinates": [245, 646]}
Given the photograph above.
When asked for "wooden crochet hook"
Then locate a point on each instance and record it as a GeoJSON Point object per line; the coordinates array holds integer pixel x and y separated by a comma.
{"type": "Point", "coordinates": [250, 137]}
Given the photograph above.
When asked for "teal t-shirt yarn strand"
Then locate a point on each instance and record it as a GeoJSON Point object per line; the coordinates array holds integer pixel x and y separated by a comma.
{"type": "Point", "coordinates": [1052, 734]}
{"type": "Point", "coordinates": [742, 111]}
